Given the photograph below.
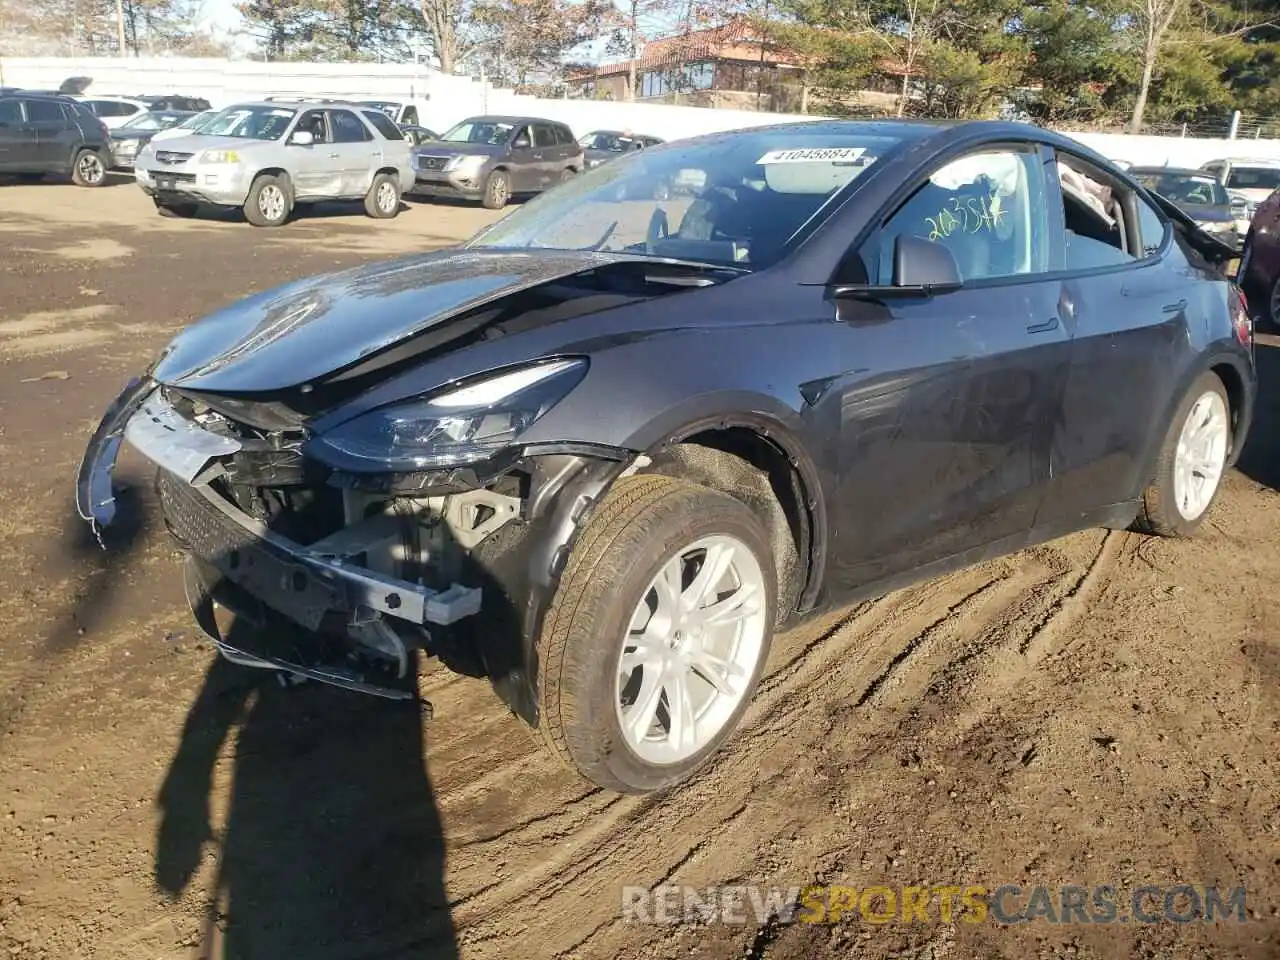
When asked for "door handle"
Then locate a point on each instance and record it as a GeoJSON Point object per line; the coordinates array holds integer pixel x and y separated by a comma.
{"type": "Point", "coordinates": [537, 156]}
{"type": "Point", "coordinates": [333, 156]}
{"type": "Point", "coordinates": [1175, 307]}
{"type": "Point", "coordinates": [1050, 324]}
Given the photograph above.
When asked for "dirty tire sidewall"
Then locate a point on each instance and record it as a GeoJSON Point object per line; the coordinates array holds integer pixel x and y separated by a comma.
{"type": "Point", "coordinates": [88, 170]}
{"type": "Point", "coordinates": [635, 530]}
{"type": "Point", "coordinates": [253, 211]}
{"type": "Point", "coordinates": [497, 190]}
{"type": "Point", "coordinates": [1159, 514]}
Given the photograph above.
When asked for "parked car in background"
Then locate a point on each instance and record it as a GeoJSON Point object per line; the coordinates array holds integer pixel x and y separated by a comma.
{"type": "Point", "coordinates": [268, 158]}
{"type": "Point", "coordinates": [195, 123]}
{"type": "Point", "coordinates": [52, 134]}
{"type": "Point", "coordinates": [1259, 271]}
{"type": "Point", "coordinates": [129, 138]}
{"type": "Point", "coordinates": [494, 158]}
{"type": "Point", "coordinates": [114, 111]}
{"type": "Point", "coordinates": [1248, 182]}
{"type": "Point", "coordinates": [1198, 193]}
{"type": "Point", "coordinates": [610, 445]}
{"type": "Point", "coordinates": [417, 135]}
{"type": "Point", "coordinates": [403, 112]}
{"type": "Point", "coordinates": [601, 145]}
{"type": "Point", "coordinates": [175, 102]}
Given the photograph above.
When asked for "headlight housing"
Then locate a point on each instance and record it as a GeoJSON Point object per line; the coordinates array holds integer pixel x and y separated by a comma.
{"type": "Point", "coordinates": [125, 147]}
{"type": "Point", "coordinates": [464, 425]}
{"type": "Point", "coordinates": [219, 156]}
{"type": "Point", "coordinates": [468, 164]}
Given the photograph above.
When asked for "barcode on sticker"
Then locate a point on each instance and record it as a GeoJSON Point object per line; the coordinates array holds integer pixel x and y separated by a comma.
{"type": "Point", "coordinates": [814, 155]}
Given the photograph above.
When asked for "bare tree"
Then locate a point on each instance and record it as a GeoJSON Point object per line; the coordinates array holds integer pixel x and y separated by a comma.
{"type": "Point", "coordinates": [1152, 19]}
{"type": "Point", "coordinates": [444, 19]}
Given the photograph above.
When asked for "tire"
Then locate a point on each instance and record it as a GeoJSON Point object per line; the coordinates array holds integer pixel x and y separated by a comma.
{"type": "Point", "coordinates": [568, 173]}
{"type": "Point", "coordinates": [1174, 505]}
{"type": "Point", "coordinates": [270, 201]}
{"type": "Point", "coordinates": [640, 528]}
{"type": "Point", "coordinates": [382, 202]}
{"type": "Point", "coordinates": [1271, 306]}
{"type": "Point", "coordinates": [179, 210]}
{"type": "Point", "coordinates": [497, 190]}
{"type": "Point", "coordinates": [88, 170]}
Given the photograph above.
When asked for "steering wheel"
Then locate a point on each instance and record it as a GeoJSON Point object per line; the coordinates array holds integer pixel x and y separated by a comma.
{"type": "Point", "coordinates": [659, 229]}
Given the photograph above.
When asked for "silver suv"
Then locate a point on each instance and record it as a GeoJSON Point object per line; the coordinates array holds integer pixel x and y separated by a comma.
{"type": "Point", "coordinates": [269, 157]}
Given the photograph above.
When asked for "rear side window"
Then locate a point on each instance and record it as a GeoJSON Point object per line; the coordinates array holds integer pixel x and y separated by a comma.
{"type": "Point", "coordinates": [44, 111]}
{"type": "Point", "coordinates": [10, 112]}
{"type": "Point", "coordinates": [383, 124]}
{"type": "Point", "coordinates": [410, 115]}
{"type": "Point", "coordinates": [347, 127]}
{"type": "Point", "coordinates": [563, 135]}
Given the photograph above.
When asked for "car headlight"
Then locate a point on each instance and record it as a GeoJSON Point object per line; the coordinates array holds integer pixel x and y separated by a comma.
{"type": "Point", "coordinates": [465, 425]}
{"type": "Point", "coordinates": [467, 164]}
{"type": "Point", "coordinates": [126, 147]}
{"type": "Point", "coordinates": [219, 156]}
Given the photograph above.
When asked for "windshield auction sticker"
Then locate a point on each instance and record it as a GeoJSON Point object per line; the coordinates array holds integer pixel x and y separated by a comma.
{"type": "Point", "coordinates": [814, 155]}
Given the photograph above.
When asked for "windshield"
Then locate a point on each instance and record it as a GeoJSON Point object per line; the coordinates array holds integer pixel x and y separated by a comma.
{"type": "Point", "coordinates": [199, 121]}
{"type": "Point", "coordinates": [739, 199]}
{"type": "Point", "coordinates": [150, 122]}
{"type": "Point", "coordinates": [494, 132]}
{"type": "Point", "coordinates": [613, 142]}
{"type": "Point", "coordinates": [1186, 188]}
{"type": "Point", "coordinates": [251, 123]}
{"type": "Point", "coordinates": [1254, 178]}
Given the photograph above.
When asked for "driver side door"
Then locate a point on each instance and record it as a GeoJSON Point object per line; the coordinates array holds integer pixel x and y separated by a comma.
{"type": "Point", "coordinates": [526, 174]}
{"type": "Point", "coordinates": [950, 402]}
{"type": "Point", "coordinates": [316, 168]}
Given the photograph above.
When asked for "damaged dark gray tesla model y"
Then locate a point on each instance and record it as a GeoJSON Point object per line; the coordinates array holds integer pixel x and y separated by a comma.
{"type": "Point", "coordinates": [604, 449]}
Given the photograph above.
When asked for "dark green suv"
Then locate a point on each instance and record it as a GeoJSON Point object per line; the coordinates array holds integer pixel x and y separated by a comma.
{"type": "Point", "coordinates": [46, 133]}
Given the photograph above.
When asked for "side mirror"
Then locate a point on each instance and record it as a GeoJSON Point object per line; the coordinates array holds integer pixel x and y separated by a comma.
{"type": "Point", "coordinates": [303, 138]}
{"type": "Point", "coordinates": [918, 262]}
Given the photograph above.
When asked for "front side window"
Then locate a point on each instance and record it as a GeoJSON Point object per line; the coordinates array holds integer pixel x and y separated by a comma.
{"type": "Point", "coordinates": [312, 122]}
{"type": "Point", "coordinates": [741, 199]}
{"type": "Point", "coordinates": [347, 127]}
{"type": "Point", "coordinates": [987, 208]}
{"type": "Point", "coordinates": [410, 115]}
{"type": "Point", "coordinates": [1152, 227]}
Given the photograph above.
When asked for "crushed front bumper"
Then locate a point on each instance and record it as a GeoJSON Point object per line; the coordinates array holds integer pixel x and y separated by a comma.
{"type": "Point", "coordinates": [304, 583]}
{"type": "Point", "coordinates": [217, 184]}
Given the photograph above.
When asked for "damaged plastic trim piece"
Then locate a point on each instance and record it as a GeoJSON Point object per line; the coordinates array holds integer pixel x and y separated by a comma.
{"type": "Point", "coordinates": [95, 499]}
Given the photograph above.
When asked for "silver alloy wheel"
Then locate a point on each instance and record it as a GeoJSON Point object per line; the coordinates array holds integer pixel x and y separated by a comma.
{"type": "Point", "coordinates": [271, 202]}
{"type": "Point", "coordinates": [1201, 456]}
{"type": "Point", "coordinates": [692, 647]}
{"type": "Point", "coordinates": [90, 167]}
{"type": "Point", "coordinates": [386, 198]}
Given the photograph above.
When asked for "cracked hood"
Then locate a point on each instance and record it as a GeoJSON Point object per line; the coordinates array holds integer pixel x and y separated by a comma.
{"type": "Point", "coordinates": [302, 331]}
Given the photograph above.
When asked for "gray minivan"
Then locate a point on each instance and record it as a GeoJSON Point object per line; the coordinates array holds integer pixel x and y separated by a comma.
{"type": "Point", "coordinates": [493, 158]}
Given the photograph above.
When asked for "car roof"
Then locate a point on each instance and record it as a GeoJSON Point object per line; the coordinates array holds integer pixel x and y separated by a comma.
{"type": "Point", "coordinates": [308, 104]}
{"type": "Point", "coordinates": [1246, 161]}
{"type": "Point", "coordinates": [505, 118]}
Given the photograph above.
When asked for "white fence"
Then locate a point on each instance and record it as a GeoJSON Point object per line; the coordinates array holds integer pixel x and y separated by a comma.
{"type": "Point", "coordinates": [444, 100]}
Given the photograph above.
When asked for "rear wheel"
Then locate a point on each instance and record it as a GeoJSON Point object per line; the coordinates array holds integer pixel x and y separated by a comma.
{"type": "Point", "coordinates": [657, 635]}
{"type": "Point", "coordinates": [88, 170]}
{"type": "Point", "coordinates": [1191, 463]}
{"type": "Point", "coordinates": [270, 201]}
{"type": "Point", "coordinates": [497, 190]}
{"type": "Point", "coordinates": [383, 199]}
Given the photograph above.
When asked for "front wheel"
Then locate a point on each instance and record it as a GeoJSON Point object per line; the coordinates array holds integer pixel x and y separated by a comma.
{"type": "Point", "coordinates": [1191, 463]}
{"type": "Point", "coordinates": [497, 190]}
{"type": "Point", "coordinates": [382, 202]}
{"type": "Point", "coordinates": [270, 201]}
{"type": "Point", "coordinates": [657, 635]}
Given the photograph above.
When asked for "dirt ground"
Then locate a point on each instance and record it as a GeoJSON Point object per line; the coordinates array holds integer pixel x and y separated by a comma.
{"type": "Point", "coordinates": [1104, 709]}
